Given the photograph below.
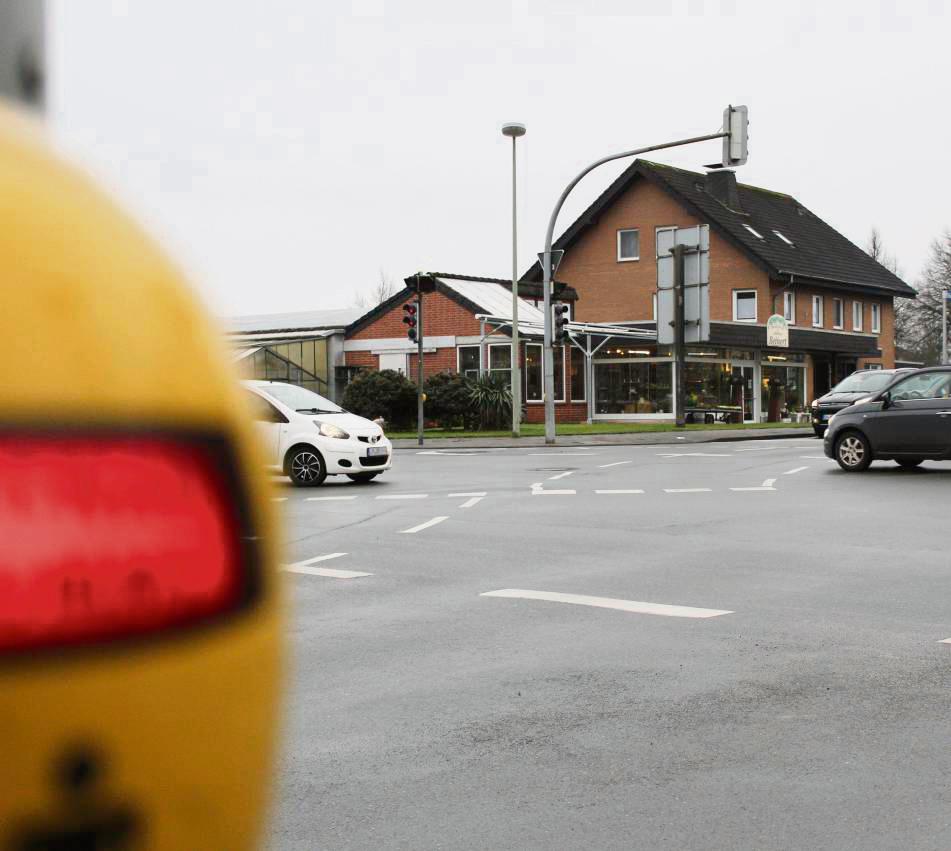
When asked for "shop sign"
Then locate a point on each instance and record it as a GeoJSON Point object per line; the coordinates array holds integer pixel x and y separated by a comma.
{"type": "Point", "coordinates": [777, 332]}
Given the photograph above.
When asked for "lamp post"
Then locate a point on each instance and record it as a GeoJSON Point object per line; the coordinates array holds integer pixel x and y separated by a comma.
{"type": "Point", "coordinates": [514, 130]}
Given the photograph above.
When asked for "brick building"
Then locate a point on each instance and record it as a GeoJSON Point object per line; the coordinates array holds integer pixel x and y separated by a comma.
{"type": "Point", "coordinates": [768, 254]}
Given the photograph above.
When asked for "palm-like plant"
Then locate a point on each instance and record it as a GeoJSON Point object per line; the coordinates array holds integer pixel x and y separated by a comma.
{"type": "Point", "coordinates": [492, 396]}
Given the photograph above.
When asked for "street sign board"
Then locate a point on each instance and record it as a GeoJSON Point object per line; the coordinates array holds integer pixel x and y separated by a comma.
{"type": "Point", "coordinates": [696, 284]}
{"type": "Point", "coordinates": [777, 332]}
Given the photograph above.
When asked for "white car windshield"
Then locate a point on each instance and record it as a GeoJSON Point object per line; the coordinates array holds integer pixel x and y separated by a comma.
{"type": "Point", "coordinates": [864, 382]}
{"type": "Point", "coordinates": [302, 400]}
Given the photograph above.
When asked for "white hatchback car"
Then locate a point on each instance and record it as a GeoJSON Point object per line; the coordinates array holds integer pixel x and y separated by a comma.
{"type": "Point", "coordinates": [308, 437]}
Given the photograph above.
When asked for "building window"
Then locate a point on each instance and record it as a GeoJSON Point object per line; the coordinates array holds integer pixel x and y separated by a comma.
{"type": "Point", "coordinates": [818, 309]}
{"type": "Point", "coordinates": [533, 372]}
{"type": "Point", "coordinates": [838, 313]}
{"type": "Point", "coordinates": [857, 309]}
{"type": "Point", "coordinates": [577, 374]}
{"type": "Point", "coordinates": [753, 231]}
{"type": "Point", "coordinates": [559, 354]}
{"type": "Point", "coordinates": [789, 307]}
{"type": "Point", "coordinates": [628, 245]}
{"type": "Point", "coordinates": [876, 319]}
{"type": "Point", "coordinates": [469, 360]}
{"type": "Point", "coordinates": [500, 360]}
{"type": "Point", "coordinates": [744, 305]}
{"type": "Point", "coordinates": [654, 307]}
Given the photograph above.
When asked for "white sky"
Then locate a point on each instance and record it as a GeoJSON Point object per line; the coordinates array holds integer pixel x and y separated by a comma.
{"type": "Point", "coordinates": [287, 151]}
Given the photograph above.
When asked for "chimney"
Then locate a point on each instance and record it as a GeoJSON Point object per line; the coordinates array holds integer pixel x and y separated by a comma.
{"type": "Point", "coordinates": [721, 184]}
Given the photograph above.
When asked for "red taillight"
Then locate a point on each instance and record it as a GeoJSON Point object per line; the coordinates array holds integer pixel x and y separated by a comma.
{"type": "Point", "coordinates": [105, 537]}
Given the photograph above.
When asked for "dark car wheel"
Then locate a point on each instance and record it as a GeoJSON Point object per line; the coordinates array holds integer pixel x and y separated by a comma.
{"type": "Point", "coordinates": [908, 463]}
{"type": "Point", "coordinates": [853, 452]}
{"type": "Point", "coordinates": [362, 478]}
{"type": "Point", "coordinates": [306, 467]}
{"type": "Point", "coordinates": [820, 431]}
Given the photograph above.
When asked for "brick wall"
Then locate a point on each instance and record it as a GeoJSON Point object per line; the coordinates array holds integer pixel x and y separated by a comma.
{"type": "Point", "coordinates": [441, 317]}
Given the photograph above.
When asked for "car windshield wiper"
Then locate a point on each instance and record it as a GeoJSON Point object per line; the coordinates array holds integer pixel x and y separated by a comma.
{"type": "Point", "coordinates": [316, 411]}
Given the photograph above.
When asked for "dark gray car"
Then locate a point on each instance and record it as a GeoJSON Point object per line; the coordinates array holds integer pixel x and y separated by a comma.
{"type": "Point", "coordinates": [908, 422]}
{"type": "Point", "coordinates": [858, 385]}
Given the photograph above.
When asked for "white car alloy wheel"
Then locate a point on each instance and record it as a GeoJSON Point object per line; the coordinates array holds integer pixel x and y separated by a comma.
{"type": "Point", "coordinates": [852, 453]}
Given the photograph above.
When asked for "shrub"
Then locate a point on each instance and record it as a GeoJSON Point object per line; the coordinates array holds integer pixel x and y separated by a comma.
{"type": "Point", "coordinates": [387, 393]}
{"type": "Point", "coordinates": [449, 402]}
{"type": "Point", "coordinates": [492, 396]}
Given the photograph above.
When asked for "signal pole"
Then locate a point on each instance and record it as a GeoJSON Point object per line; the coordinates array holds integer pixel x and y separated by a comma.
{"type": "Point", "coordinates": [680, 348]}
{"type": "Point", "coordinates": [419, 365]}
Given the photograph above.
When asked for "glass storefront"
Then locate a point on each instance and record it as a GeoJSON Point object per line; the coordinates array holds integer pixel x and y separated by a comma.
{"type": "Point", "coordinates": [633, 388]}
{"type": "Point", "coordinates": [783, 391]}
{"type": "Point", "coordinates": [302, 362]}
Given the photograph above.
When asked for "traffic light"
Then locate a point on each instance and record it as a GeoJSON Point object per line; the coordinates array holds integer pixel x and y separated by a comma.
{"type": "Point", "coordinates": [410, 319]}
{"type": "Point", "coordinates": [736, 123]}
{"type": "Point", "coordinates": [561, 323]}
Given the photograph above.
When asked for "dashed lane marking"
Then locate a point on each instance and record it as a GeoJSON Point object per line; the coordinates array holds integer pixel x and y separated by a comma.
{"type": "Point", "coordinates": [330, 498]}
{"type": "Point", "coordinates": [687, 490]}
{"type": "Point", "coordinates": [945, 641]}
{"type": "Point", "coordinates": [614, 464]}
{"type": "Point", "coordinates": [414, 529]}
{"type": "Point", "coordinates": [694, 455]}
{"type": "Point", "coordinates": [796, 470]}
{"type": "Point", "coordinates": [766, 486]}
{"type": "Point", "coordinates": [314, 560]}
{"type": "Point", "coordinates": [404, 496]}
{"type": "Point", "coordinates": [472, 501]}
{"type": "Point", "coordinates": [559, 454]}
{"type": "Point", "coordinates": [620, 491]}
{"type": "Point", "coordinates": [325, 571]}
{"type": "Point", "coordinates": [633, 606]}
{"type": "Point", "coordinates": [469, 493]}
{"type": "Point", "coordinates": [560, 475]}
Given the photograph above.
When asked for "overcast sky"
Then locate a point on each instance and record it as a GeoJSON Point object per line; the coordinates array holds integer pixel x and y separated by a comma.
{"type": "Point", "coordinates": [286, 152]}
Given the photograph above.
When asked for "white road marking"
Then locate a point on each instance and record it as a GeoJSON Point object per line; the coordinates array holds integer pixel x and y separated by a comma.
{"type": "Point", "coordinates": [470, 502]}
{"type": "Point", "coordinates": [329, 498]}
{"type": "Point", "coordinates": [768, 483]}
{"type": "Point", "coordinates": [796, 470]}
{"type": "Point", "coordinates": [694, 455]}
{"type": "Point", "coordinates": [325, 571]}
{"type": "Point", "coordinates": [404, 496]}
{"type": "Point", "coordinates": [314, 560]}
{"type": "Point", "coordinates": [609, 603]}
{"type": "Point", "coordinates": [816, 458]}
{"type": "Point", "coordinates": [470, 493]}
{"type": "Point", "coordinates": [422, 526]}
{"type": "Point", "coordinates": [687, 490]}
{"type": "Point", "coordinates": [540, 492]}
{"type": "Point", "coordinates": [620, 491]}
{"type": "Point", "coordinates": [945, 641]}
{"type": "Point", "coordinates": [752, 489]}
{"type": "Point", "coordinates": [614, 464]}
{"type": "Point", "coordinates": [756, 449]}
{"type": "Point", "coordinates": [560, 475]}
{"type": "Point", "coordinates": [559, 454]}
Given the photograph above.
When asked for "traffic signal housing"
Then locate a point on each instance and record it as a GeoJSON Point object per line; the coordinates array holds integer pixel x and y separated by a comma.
{"type": "Point", "coordinates": [411, 309]}
{"type": "Point", "coordinates": [560, 311]}
{"type": "Point", "coordinates": [736, 145]}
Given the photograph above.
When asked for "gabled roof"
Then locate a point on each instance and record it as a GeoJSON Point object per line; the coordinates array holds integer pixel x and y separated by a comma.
{"type": "Point", "coordinates": [818, 253]}
{"type": "Point", "coordinates": [526, 289]}
{"type": "Point", "coordinates": [490, 296]}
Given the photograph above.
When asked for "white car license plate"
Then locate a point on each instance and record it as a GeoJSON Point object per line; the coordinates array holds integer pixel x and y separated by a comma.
{"type": "Point", "coordinates": [376, 450]}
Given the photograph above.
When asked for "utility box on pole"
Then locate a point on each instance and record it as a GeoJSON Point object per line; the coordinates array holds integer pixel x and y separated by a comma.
{"type": "Point", "coordinates": [696, 298]}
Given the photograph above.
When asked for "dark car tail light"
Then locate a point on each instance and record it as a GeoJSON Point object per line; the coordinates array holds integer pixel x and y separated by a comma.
{"type": "Point", "coordinates": [109, 537]}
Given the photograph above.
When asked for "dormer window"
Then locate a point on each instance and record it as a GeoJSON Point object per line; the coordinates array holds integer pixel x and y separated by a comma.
{"type": "Point", "coordinates": [783, 237]}
{"type": "Point", "coordinates": [753, 231]}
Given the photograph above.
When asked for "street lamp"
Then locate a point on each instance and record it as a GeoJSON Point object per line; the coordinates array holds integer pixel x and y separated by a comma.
{"type": "Point", "coordinates": [514, 130]}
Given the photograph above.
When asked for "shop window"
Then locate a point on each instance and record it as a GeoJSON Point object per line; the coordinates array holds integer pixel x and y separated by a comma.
{"type": "Point", "coordinates": [817, 310]}
{"type": "Point", "coordinates": [533, 372]}
{"type": "Point", "coordinates": [633, 388]}
{"type": "Point", "coordinates": [744, 305]}
{"type": "Point", "coordinates": [559, 353]}
{"type": "Point", "coordinates": [500, 360]}
{"type": "Point", "coordinates": [782, 392]}
{"type": "Point", "coordinates": [628, 245]}
{"type": "Point", "coordinates": [838, 314]}
{"type": "Point", "coordinates": [577, 375]}
{"type": "Point", "coordinates": [469, 360]}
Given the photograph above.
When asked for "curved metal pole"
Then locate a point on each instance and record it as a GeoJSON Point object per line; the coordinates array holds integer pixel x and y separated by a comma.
{"type": "Point", "coordinates": [549, 373]}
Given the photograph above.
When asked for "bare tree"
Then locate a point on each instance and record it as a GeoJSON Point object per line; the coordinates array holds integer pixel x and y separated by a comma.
{"type": "Point", "coordinates": [380, 292]}
{"type": "Point", "coordinates": [904, 307]}
{"type": "Point", "coordinates": [924, 332]}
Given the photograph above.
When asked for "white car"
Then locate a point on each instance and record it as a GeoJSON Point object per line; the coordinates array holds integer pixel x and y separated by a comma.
{"type": "Point", "coordinates": [308, 437]}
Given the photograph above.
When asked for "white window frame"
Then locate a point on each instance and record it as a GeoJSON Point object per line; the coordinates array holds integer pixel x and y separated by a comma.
{"type": "Point", "coordinates": [488, 357]}
{"type": "Point", "coordinates": [541, 370]}
{"type": "Point", "coordinates": [755, 305]}
{"type": "Point", "coordinates": [459, 356]}
{"type": "Point", "coordinates": [840, 304]}
{"type": "Point", "coordinates": [818, 311]}
{"type": "Point", "coordinates": [858, 310]}
{"type": "Point", "coordinates": [876, 319]}
{"type": "Point", "coordinates": [621, 259]}
{"type": "Point", "coordinates": [789, 301]}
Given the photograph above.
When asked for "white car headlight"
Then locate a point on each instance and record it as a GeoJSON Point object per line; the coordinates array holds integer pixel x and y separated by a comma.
{"type": "Point", "coordinates": [815, 403]}
{"type": "Point", "coordinates": [330, 430]}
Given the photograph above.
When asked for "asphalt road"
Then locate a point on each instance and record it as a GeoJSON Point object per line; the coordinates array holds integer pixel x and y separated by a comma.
{"type": "Point", "coordinates": [767, 674]}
